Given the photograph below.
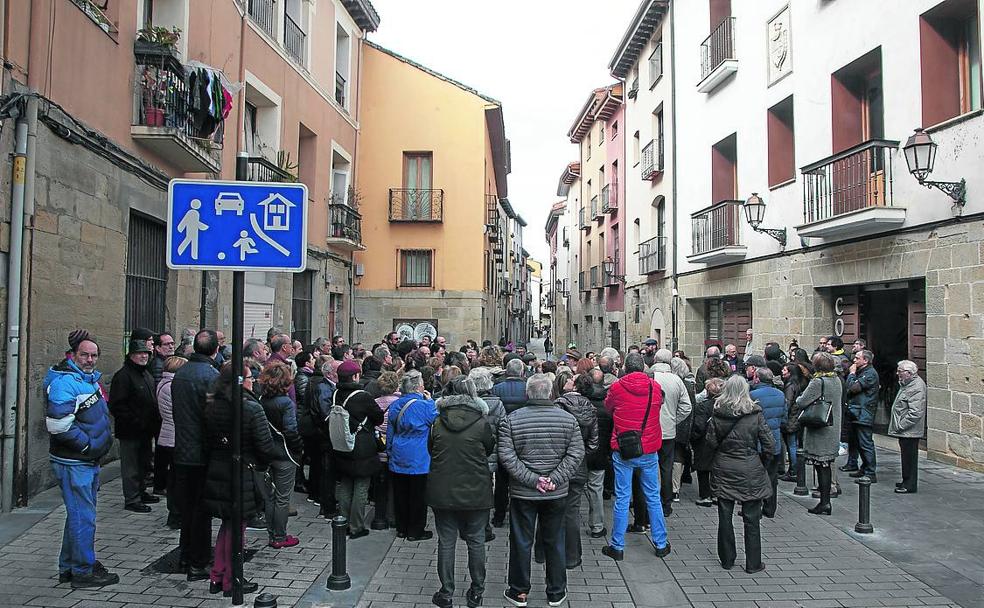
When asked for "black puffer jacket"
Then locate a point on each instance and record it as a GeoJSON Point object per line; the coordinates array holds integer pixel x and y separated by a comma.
{"type": "Point", "coordinates": [737, 472]}
{"type": "Point", "coordinates": [584, 412]}
{"type": "Point", "coordinates": [600, 458]}
{"type": "Point", "coordinates": [703, 455]}
{"type": "Point", "coordinates": [497, 413]}
{"type": "Point", "coordinates": [257, 451]}
{"type": "Point", "coordinates": [302, 379]}
{"type": "Point", "coordinates": [363, 460]}
{"type": "Point", "coordinates": [460, 443]}
{"type": "Point", "coordinates": [188, 389]}
{"type": "Point", "coordinates": [280, 413]}
{"type": "Point", "coordinates": [133, 402]}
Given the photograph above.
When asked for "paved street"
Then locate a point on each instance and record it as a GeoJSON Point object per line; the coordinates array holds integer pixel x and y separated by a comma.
{"type": "Point", "coordinates": [913, 559]}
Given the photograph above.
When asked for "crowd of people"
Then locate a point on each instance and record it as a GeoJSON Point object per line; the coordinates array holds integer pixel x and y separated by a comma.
{"type": "Point", "coordinates": [478, 434]}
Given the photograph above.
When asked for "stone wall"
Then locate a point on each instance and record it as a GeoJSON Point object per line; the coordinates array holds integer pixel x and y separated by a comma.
{"type": "Point", "coordinates": [790, 300]}
{"type": "Point", "coordinates": [459, 313]}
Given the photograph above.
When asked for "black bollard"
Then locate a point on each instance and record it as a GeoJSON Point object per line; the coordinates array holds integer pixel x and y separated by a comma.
{"type": "Point", "coordinates": [864, 506]}
{"type": "Point", "coordinates": [801, 489]}
{"type": "Point", "coordinates": [265, 600]}
{"type": "Point", "coordinates": [339, 579]}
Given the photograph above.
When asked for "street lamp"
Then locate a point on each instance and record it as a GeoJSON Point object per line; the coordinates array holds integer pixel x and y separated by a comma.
{"type": "Point", "coordinates": [920, 155]}
{"type": "Point", "coordinates": [610, 267]}
{"type": "Point", "coordinates": [755, 213]}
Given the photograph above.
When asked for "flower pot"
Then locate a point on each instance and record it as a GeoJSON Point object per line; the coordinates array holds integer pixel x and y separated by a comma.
{"type": "Point", "coordinates": [154, 116]}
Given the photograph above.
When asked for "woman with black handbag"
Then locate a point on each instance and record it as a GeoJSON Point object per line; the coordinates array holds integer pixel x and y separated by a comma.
{"type": "Point", "coordinates": [820, 417]}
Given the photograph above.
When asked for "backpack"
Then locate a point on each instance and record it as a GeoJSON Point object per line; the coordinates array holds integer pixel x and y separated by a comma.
{"type": "Point", "coordinates": [341, 435]}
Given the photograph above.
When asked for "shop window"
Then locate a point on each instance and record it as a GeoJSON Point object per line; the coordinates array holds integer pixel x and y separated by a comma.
{"type": "Point", "coordinates": [415, 268]}
{"type": "Point", "coordinates": [724, 169]}
{"type": "Point", "coordinates": [950, 60]}
{"type": "Point", "coordinates": [782, 160]}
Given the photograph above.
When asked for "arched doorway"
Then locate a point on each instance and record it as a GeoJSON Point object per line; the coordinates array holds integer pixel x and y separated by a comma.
{"type": "Point", "coordinates": [656, 326]}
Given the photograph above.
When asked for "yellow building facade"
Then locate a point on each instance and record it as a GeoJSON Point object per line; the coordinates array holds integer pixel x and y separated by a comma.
{"type": "Point", "coordinates": [431, 169]}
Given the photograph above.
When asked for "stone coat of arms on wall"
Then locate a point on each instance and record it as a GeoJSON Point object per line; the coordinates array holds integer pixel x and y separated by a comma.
{"type": "Point", "coordinates": [780, 46]}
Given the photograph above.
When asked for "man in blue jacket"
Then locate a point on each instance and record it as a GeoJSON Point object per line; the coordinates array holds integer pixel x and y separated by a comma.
{"type": "Point", "coordinates": [862, 398]}
{"type": "Point", "coordinates": [77, 419]}
{"type": "Point", "coordinates": [773, 404]}
{"type": "Point", "coordinates": [512, 389]}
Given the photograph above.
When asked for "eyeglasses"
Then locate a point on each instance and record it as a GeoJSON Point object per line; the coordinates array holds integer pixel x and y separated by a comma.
{"type": "Point", "coordinates": [167, 343]}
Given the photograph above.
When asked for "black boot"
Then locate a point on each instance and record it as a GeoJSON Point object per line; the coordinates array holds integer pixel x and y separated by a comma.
{"type": "Point", "coordinates": [823, 480]}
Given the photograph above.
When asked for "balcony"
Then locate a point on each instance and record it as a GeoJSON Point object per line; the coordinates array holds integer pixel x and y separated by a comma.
{"type": "Point", "coordinates": [634, 88]}
{"type": "Point", "coordinates": [340, 89]}
{"type": "Point", "coordinates": [716, 233]}
{"type": "Point", "coordinates": [567, 239]}
{"type": "Point", "coordinates": [609, 198]}
{"type": "Point", "coordinates": [260, 169]}
{"type": "Point", "coordinates": [652, 161]}
{"type": "Point", "coordinates": [850, 193]}
{"type": "Point", "coordinates": [717, 56]}
{"type": "Point", "coordinates": [595, 277]}
{"type": "Point", "coordinates": [582, 281]}
{"type": "Point", "coordinates": [652, 255]}
{"type": "Point", "coordinates": [262, 13]}
{"type": "Point", "coordinates": [416, 205]}
{"type": "Point", "coordinates": [492, 228]}
{"type": "Point", "coordinates": [596, 208]}
{"type": "Point", "coordinates": [581, 222]}
{"type": "Point", "coordinates": [164, 122]}
{"type": "Point", "coordinates": [344, 227]}
{"type": "Point", "coordinates": [294, 40]}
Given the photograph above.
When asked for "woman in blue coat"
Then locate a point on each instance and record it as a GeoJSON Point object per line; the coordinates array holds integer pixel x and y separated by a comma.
{"type": "Point", "coordinates": [408, 430]}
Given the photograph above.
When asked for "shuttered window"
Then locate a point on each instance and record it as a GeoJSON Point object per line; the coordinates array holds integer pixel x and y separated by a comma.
{"type": "Point", "coordinates": [415, 268]}
{"type": "Point", "coordinates": [146, 274]}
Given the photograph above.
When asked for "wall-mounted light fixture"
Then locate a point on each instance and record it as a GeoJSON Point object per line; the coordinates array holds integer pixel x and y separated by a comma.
{"type": "Point", "coordinates": [610, 266]}
{"type": "Point", "coordinates": [755, 213]}
{"type": "Point", "coordinates": [920, 155]}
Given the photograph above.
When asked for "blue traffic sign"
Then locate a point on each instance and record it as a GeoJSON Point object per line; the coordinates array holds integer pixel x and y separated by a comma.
{"type": "Point", "coordinates": [223, 225]}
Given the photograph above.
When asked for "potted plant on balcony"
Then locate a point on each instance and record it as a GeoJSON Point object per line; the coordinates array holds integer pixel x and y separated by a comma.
{"type": "Point", "coordinates": [157, 40]}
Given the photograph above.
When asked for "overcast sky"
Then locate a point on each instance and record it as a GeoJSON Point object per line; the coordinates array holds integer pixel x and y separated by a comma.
{"type": "Point", "coordinates": [540, 58]}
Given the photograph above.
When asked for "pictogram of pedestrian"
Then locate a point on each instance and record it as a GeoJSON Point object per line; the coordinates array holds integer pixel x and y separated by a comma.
{"type": "Point", "coordinates": [245, 245]}
{"type": "Point", "coordinates": [191, 224]}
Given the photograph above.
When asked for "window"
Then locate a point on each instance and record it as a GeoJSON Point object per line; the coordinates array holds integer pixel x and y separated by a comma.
{"type": "Point", "coordinates": [343, 54]}
{"type": "Point", "coordinates": [415, 268]}
{"type": "Point", "coordinates": [635, 148]}
{"type": "Point", "coordinates": [950, 61]}
{"type": "Point", "coordinates": [417, 170]}
{"type": "Point", "coordinates": [857, 104]}
{"type": "Point", "coordinates": [601, 134]}
{"type": "Point", "coordinates": [146, 274]}
{"type": "Point", "coordinates": [656, 65]}
{"type": "Point", "coordinates": [614, 129]}
{"type": "Point", "coordinates": [658, 126]}
{"type": "Point", "coordinates": [660, 204]}
{"type": "Point", "coordinates": [782, 160]}
{"type": "Point", "coordinates": [295, 36]}
{"type": "Point", "coordinates": [587, 145]}
{"type": "Point", "coordinates": [301, 298]}
{"type": "Point", "coordinates": [724, 170]}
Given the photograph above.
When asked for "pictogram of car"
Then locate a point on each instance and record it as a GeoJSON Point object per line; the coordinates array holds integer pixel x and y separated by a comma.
{"type": "Point", "coordinates": [229, 201]}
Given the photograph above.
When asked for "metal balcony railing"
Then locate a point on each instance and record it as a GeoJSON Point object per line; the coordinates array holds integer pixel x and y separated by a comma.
{"type": "Point", "coordinates": [652, 160]}
{"type": "Point", "coordinates": [340, 89]}
{"type": "Point", "coordinates": [717, 226]}
{"type": "Point", "coordinates": [260, 169]}
{"type": "Point", "coordinates": [263, 14]}
{"type": "Point", "coordinates": [294, 38]}
{"type": "Point", "coordinates": [582, 221]}
{"type": "Point", "coordinates": [582, 281]}
{"type": "Point", "coordinates": [416, 205]}
{"type": "Point", "coordinates": [609, 198]}
{"type": "Point", "coordinates": [652, 255]}
{"type": "Point", "coordinates": [595, 209]}
{"type": "Point", "coordinates": [492, 228]}
{"type": "Point", "coordinates": [634, 88]}
{"type": "Point", "coordinates": [718, 47]}
{"type": "Point", "coordinates": [855, 179]}
{"type": "Point", "coordinates": [344, 222]}
{"type": "Point", "coordinates": [595, 277]}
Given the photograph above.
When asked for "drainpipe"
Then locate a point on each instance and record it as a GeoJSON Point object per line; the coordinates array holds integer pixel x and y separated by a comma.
{"type": "Point", "coordinates": [21, 178]}
{"type": "Point", "coordinates": [675, 308]}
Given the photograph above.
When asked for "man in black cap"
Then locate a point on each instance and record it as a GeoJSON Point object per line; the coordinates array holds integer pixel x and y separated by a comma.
{"type": "Point", "coordinates": [133, 403]}
{"type": "Point", "coordinates": [649, 348]}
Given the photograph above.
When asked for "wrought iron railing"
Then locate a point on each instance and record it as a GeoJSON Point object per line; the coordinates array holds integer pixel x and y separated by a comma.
{"type": "Point", "coordinates": [718, 47]}
{"type": "Point", "coordinates": [652, 160]}
{"type": "Point", "coordinates": [595, 277]}
{"type": "Point", "coordinates": [595, 209]}
{"type": "Point", "coordinates": [263, 13]}
{"type": "Point", "coordinates": [609, 198]}
{"type": "Point", "coordinates": [582, 281]}
{"type": "Point", "coordinates": [164, 100]}
{"type": "Point", "coordinates": [294, 38]}
{"type": "Point", "coordinates": [259, 169]}
{"type": "Point", "coordinates": [492, 228]}
{"type": "Point", "coordinates": [855, 179]}
{"type": "Point", "coordinates": [582, 221]}
{"type": "Point", "coordinates": [652, 255]}
{"type": "Point", "coordinates": [344, 222]}
{"type": "Point", "coordinates": [416, 205]}
{"type": "Point", "coordinates": [717, 226]}
{"type": "Point", "coordinates": [340, 89]}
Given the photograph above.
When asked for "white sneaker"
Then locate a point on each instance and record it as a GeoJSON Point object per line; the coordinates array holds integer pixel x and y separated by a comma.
{"type": "Point", "coordinates": [842, 451]}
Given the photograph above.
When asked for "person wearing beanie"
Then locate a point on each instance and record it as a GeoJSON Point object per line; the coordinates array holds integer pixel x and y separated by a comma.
{"type": "Point", "coordinates": [133, 403]}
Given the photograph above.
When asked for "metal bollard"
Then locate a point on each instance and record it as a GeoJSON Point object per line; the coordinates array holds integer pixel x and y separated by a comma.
{"type": "Point", "coordinates": [339, 579]}
{"type": "Point", "coordinates": [265, 600]}
{"type": "Point", "coordinates": [864, 506]}
{"type": "Point", "coordinates": [801, 489]}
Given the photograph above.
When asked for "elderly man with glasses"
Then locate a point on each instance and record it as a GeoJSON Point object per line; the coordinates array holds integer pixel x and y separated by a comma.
{"type": "Point", "coordinates": [907, 423]}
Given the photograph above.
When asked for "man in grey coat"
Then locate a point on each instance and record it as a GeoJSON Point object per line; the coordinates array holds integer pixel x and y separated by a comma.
{"type": "Point", "coordinates": [907, 423]}
{"type": "Point", "coordinates": [676, 408]}
{"type": "Point", "coordinates": [541, 447]}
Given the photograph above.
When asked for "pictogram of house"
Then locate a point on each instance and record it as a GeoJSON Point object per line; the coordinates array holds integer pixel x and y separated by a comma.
{"type": "Point", "coordinates": [276, 212]}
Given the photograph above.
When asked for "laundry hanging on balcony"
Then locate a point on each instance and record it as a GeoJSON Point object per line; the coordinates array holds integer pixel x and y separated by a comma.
{"type": "Point", "coordinates": [209, 96]}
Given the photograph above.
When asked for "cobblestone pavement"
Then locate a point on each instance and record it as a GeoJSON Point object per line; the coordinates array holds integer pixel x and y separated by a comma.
{"type": "Point", "coordinates": [811, 561]}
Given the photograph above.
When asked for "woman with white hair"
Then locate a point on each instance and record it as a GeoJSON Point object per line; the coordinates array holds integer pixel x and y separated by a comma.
{"type": "Point", "coordinates": [482, 378]}
{"type": "Point", "coordinates": [907, 423]}
{"type": "Point", "coordinates": [737, 432]}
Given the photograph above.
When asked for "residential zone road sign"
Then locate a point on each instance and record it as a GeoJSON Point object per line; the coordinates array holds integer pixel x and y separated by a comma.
{"type": "Point", "coordinates": [225, 225]}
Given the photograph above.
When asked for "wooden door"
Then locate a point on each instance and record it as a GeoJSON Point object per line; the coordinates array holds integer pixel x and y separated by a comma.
{"type": "Point", "coordinates": [917, 328]}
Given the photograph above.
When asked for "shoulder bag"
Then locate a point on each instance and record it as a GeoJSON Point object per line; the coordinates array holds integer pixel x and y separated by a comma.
{"type": "Point", "coordinates": [818, 414]}
{"type": "Point", "coordinates": [630, 442]}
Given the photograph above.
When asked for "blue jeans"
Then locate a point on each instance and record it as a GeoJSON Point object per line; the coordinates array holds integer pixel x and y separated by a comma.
{"type": "Point", "coordinates": [791, 445]}
{"type": "Point", "coordinates": [79, 483]}
{"type": "Point", "coordinates": [648, 465]}
{"type": "Point", "coordinates": [866, 448]}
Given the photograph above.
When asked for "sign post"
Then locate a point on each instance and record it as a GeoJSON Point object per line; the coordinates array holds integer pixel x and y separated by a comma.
{"type": "Point", "coordinates": [239, 226]}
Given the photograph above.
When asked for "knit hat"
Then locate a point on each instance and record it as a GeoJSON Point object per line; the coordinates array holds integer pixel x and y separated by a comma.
{"type": "Point", "coordinates": [349, 368]}
{"type": "Point", "coordinates": [77, 337]}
